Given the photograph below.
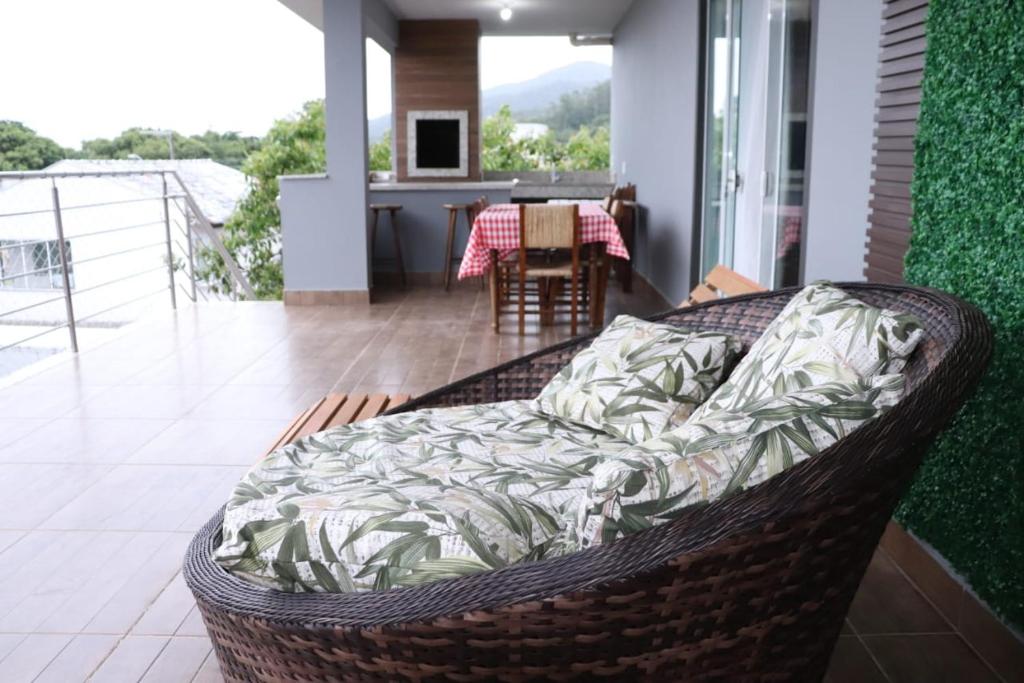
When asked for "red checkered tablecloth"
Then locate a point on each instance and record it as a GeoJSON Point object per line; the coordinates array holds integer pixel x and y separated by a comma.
{"type": "Point", "coordinates": [497, 227]}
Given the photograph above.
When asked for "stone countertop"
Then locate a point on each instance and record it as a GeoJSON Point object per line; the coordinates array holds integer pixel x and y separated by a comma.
{"type": "Point", "coordinates": [560, 191]}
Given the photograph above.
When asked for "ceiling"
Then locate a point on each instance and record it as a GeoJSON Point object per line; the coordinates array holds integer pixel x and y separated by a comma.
{"type": "Point", "coordinates": [529, 17]}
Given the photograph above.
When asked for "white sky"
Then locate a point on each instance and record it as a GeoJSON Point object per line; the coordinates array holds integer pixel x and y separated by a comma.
{"type": "Point", "coordinates": [80, 69]}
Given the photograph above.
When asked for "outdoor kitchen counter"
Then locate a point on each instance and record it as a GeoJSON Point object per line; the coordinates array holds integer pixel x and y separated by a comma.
{"type": "Point", "coordinates": [423, 220]}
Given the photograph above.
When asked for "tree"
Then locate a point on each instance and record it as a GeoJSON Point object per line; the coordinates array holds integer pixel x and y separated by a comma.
{"type": "Point", "coordinates": [588, 150]}
{"type": "Point", "coordinates": [21, 149]}
{"type": "Point", "coordinates": [253, 233]}
{"type": "Point", "coordinates": [229, 148]}
{"type": "Point", "coordinates": [501, 152]}
{"type": "Point", "coordinates": [590, 108]}
{"type": "Point", "coordinates": [380, 153]}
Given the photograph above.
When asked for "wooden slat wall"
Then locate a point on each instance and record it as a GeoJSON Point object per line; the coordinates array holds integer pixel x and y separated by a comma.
{"type": "Point", "coordinates": [897, 108]}
{"type": "Point", "coordinates": [437, 66]}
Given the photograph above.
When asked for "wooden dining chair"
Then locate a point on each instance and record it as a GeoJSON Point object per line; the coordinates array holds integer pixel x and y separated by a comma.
{"type": "Point", "coordinates": [549, 227]}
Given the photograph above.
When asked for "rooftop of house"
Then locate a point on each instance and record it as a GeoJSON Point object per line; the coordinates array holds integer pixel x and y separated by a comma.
{"type": "Point", "coordinates": [216, 188]}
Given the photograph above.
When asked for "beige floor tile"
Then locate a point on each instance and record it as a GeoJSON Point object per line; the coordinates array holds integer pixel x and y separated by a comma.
{"type": "Point", "coordinates": [143, 401]}
{"type": "Point", "coordinates": [130, 660]}
{"type": "Point", "coordinates": [78, 659]}
{"type": "Point", "coordinates": [168, 611]}
{"type": "Point", "coordinates": [193, 624]}
{"type": "Point", "coordinates": [135, 595]}
{"type": "Point", "coordinates": [180, 661]}
{"type": "Point", "coordinates": [126, 556]}
{"type": "Point", "coordinates": [147, 497]}
{"type": "Point", "coordinates": [209, 672]}
{"type": "Point", "coordinates": [31, 656]}
{"type": "Point", "coordinates": [258, 402]}
{"type": "Point", "coordinates": [226, 441]}
{"type": "Point", "coordinates": [40, 401]}
{"type": "Point", "coordinates": [13, 429]}
{"type": "Point", "coordinates": [84, 441]}
{"type": "Point", "coordinates": [31, 493]}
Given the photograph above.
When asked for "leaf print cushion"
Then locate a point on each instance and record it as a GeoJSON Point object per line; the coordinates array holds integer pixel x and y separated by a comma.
{"type": "Point", "coordinates": [406, 499]}
{"type": "Point", "coordinates": [822, 335]}
{"type": "Point", "coordinates": [722, 452]}
{"type": "Point", "coordinates": [638, 378]}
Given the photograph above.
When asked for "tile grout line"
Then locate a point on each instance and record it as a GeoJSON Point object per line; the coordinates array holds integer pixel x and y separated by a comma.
{"type": "Point", "coordinates": [465, 336]}
{"type": "Point", "coordinates": [371, 340]}
{"type": "Point", "coordinates": [53, 658]}
{"type": "Point", "coordinates": [935, 607]}
{"type": "Point", "coordinates": [871, 655]}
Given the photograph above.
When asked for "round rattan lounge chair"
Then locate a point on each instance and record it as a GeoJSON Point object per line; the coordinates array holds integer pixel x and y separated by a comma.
{"type": "Point", "coordinates": [754, 587]}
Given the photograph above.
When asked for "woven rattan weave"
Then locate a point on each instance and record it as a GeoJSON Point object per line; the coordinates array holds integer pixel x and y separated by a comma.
{"type": "Point", "coordinates": [751, 588]}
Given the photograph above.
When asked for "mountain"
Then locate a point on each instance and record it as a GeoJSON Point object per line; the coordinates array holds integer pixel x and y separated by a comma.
{"type": "Point", "coordinates": [526, 97]}
{"type": "Point", "coordinates": [537, 93]}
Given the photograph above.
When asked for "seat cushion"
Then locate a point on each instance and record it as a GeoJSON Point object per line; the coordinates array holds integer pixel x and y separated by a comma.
{"type": "Point", "coordinates": [723, 451]}
{"type": "Point", "coordinates": [638, 378]}
{"type": "Point", "coordinates": [405, 499]}
{"type": "Point", "coordinates": [822, 335]}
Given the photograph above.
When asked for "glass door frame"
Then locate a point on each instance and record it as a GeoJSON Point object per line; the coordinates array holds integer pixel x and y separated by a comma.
{"type": "Point", "coordinates": [766, 184]}
{"type": "Point", "coordinates": [725, 179]}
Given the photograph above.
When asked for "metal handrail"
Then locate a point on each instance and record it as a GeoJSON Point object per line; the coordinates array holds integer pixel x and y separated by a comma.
{"type": "Point", "coordinates": [73, 207]}
{"type": "Point", "coordinates": [120, 305]}
{"type": "Point", "coordinates": [188, 220]}
{"type": "Point", "coordinates": [79, 236]}
{"type": "Point", "coordinates": [32, 305]}
{"type": "Point", "coordinates": [115, 281]}
{"type": "Point", "coordinates": [49, 330]}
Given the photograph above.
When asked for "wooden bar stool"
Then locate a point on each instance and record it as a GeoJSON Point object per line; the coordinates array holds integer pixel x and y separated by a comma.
{"type": "Point", "coordinates": [453, 219]}
{"type": "Point", "coordinates": [392, 209]}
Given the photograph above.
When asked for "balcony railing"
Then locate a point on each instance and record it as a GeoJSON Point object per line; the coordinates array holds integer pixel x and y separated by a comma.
{"type": "Point", "coordinates": [67, 262]}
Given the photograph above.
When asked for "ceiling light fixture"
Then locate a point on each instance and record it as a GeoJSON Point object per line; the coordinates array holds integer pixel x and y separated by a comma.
{"type": "Point", "coordinates": [505, 13]}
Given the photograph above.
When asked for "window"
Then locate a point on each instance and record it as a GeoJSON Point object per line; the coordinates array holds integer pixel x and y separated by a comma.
{"type": "Point", "coordinates": [33, 265]}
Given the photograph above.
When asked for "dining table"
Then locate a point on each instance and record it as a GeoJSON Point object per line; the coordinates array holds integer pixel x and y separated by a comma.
{"type": "Point", "coordinates": [495, 236]}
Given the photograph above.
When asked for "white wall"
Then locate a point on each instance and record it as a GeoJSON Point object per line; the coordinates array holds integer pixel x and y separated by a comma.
{"type": "Point", "coordinates": [654, 117]}
{"type": "Point", "coordinates": [324, 218]}
{"type": "Point", "coordinates": [842, 126]}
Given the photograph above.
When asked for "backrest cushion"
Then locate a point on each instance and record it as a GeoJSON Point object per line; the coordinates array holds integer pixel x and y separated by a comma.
{"type": "Point", "coordinates": [721, 452]}
{"type": "Point", "coordinates": [638, 378]}
{"type": "Point", "coordinates": [822, 335]}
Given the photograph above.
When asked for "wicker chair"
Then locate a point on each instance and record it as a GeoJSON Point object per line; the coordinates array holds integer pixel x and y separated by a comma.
{"type": "Point", "coordinates": [753, 587]}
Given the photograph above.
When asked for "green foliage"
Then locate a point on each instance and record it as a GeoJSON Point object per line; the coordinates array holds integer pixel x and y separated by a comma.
{"type": "Point", "coordinates": [229, 148]}
{"type": "Point", "coordinates": [588, 108]}
{"type": "Point", "coordinates": [500, 151]}
{"type": "Point", "coordinates": [21, 149]}
{"type": "Point", "coordinates": [380, 153]}
{"type": "Point", "coordinates": [586, 150]}
{"type": "Point", "coordinates": [968, 238]}
{"type": "Point", "coordinates": [253, 233]}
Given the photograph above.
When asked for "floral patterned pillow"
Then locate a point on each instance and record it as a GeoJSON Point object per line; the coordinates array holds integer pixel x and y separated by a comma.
{"type": "Point", "coordinates": [721, 452]}
{"type": "Point", "coordinates": [638, 378]}
{"type": "Point", "coordinates": [822, 335]}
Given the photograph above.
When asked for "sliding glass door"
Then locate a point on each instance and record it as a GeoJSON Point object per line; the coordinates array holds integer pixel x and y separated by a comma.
{"type": "Point", "coordinates": [756, 98]}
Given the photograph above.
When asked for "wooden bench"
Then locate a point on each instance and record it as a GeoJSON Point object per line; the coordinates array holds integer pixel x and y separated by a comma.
{"type": "Point", "coordinates": [337, 409]}
{"type": "Point", "coordinates": [720, 283]}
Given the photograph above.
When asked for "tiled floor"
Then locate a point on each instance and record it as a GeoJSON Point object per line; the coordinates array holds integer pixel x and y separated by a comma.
{"type": "Point", "coordinates": [110, 461]}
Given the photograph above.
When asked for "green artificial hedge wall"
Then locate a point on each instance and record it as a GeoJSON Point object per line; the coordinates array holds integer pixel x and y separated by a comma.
{"type": "Point", "coordinates": [968, 239]}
